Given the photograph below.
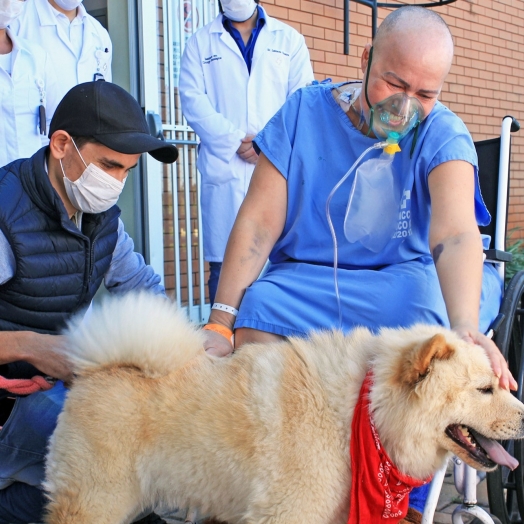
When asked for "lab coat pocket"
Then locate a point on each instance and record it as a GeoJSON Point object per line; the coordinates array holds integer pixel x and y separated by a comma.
{"type": "Point", "coordinates": [27, 97]}
{"type": "Point", "coordinates": [276, 77]}
{"type": "Point", "coordinates": [103, 65]}
{"type": "Point", "coordinates": [277, 66]}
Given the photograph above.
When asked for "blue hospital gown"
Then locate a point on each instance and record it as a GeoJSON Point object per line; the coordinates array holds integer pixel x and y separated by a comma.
{"type": "Point", "coordinates": [312, 143]}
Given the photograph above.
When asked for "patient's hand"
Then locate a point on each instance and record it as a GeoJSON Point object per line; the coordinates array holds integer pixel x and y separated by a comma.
{"type": "Point", "coordinates": [498, 362]}
{"type": "Point", "coordinates": [216, 344]}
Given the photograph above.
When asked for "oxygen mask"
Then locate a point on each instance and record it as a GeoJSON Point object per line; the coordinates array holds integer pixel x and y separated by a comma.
{"type": "Point", "coordinates": [395, 116]}
{"type": "Point", "coordinates": [398, 114]}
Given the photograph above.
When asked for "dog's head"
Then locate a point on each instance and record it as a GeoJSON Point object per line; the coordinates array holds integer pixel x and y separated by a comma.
{"type": "Point", "coordinates": [435, 393]}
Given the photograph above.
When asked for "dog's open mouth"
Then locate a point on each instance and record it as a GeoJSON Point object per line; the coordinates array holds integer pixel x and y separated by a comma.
{"type": "Point", "coordinates": [485, 451]}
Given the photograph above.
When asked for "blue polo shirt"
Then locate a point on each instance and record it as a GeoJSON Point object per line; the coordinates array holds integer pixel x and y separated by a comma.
{"type": "Point", "coordinates": [246, 49]}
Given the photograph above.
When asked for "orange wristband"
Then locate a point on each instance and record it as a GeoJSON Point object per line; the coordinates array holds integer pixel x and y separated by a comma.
{"type": "Point", "coordinates": [222, 330]}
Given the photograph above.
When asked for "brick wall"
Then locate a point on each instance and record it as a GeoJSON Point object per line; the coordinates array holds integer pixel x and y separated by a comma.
{"type": "Point", "coordinates": [486, 81]}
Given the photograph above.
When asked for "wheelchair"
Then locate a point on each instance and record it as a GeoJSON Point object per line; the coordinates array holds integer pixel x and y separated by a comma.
{"type": "Point", "coordinates": [505, 487]}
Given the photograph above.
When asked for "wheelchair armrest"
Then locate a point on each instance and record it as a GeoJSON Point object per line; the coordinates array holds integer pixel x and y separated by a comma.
{"type": "Point", "coordinates": [496, 255]}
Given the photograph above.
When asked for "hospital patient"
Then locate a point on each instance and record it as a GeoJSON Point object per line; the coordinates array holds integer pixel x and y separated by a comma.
{"type": "Point", "coordinates": [423, 263]}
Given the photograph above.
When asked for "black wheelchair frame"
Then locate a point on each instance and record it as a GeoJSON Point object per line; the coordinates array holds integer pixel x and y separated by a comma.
{"type": "Point", "coordinates": [505, 487]}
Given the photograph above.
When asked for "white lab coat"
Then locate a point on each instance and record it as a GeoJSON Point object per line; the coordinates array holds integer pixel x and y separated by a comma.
{"type": "Point", "coordinates": [223, 103]}
{"type": "Point", "coordinates": [38, 23]}
{"type": "Point", "coordinates": [32, 80]}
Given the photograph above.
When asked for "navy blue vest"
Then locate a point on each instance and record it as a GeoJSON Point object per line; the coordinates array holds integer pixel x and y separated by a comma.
{"type": "Point", "coordinates": [58, 268]}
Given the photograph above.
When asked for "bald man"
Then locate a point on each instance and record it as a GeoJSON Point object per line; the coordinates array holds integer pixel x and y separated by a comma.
{"type": "Point", "coordinates": [427, 262]}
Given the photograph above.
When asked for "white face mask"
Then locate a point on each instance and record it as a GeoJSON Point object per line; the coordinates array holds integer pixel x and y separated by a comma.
{"type": "Point", "coordinates": [95, 191]}
{"type": "Point", "coordinates": [9, 10]}
{"type": "Point", "coordinates": [68, 5]}
{"type": "Point", "coordinates": [238, 10]}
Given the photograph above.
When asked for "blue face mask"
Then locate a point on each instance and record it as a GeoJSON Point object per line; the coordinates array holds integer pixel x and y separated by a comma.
{"type": "Point", "coordinates": [394, 117]}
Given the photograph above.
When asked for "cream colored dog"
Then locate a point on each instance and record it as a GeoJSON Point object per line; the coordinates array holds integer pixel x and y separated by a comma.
{"type": "Point", "coordinates": [261, 436]}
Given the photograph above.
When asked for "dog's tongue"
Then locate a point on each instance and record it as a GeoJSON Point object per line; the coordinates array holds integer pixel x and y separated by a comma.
{"type": "Point", "coordinates": [496, 452]}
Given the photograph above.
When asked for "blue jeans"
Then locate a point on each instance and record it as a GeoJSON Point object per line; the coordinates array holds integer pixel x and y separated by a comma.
{"type": "Point", "coordinates": [212, 283]}
{"type": "Point", "coordinates": [23, 445]}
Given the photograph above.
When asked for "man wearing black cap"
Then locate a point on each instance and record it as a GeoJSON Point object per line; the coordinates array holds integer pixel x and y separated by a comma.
{"type": "Point", "coordinates": [60, 237]}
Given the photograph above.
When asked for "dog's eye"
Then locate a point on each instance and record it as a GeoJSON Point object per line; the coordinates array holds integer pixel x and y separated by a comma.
{"type": "Point", "coordinates": [488, 390]}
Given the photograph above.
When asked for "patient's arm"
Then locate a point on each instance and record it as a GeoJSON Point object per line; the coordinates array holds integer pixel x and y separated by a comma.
{"type": "Point", "coordinates": [258, 226]}
{"type": "Point", "coordinates": [457, 251]}
{"type": "Point", "coordinates": [37, 349]}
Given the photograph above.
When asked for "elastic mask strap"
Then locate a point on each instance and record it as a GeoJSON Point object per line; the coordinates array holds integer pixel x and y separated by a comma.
{"type": "Point", "coordinates": [81, 157]}
{"type": "Point", "coordinates": [361, 120]}
{"type": "Point", "coordinates": [414, 141]}
{"type": "Point", "coordinates": [62, 167]}
{"type": "Point", "coordinates": [371, 110]}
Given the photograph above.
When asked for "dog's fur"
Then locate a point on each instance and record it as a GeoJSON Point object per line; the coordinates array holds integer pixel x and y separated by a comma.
{"type": "Point", "coordinates": [259, 437]}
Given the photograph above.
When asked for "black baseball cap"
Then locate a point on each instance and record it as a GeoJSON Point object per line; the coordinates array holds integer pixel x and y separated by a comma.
{"type": "Point", "coordinates": [109, 114]}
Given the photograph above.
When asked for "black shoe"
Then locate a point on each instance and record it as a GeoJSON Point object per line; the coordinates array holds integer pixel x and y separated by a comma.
{"type": "Point", "coordinates": [152, 518]}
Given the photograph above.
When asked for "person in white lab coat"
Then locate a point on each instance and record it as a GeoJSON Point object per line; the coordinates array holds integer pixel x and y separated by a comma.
{"type": "Point", "coordinates": [236, 72]}
{"type": "Point", "coordinates": [79, 47]}
{"type": "Point", "coordinates": [27, 90]}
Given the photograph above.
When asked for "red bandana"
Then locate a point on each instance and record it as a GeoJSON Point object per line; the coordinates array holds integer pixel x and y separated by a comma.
{"type": "Point", "coordinates": [379, 492]}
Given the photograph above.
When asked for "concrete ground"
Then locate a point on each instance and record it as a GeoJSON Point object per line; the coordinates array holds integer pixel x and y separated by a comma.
{"type": "Point", "coordinates": [448, 501]}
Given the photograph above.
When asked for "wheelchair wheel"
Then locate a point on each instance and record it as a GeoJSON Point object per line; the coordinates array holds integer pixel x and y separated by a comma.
{"type": "Point", "coordinates": [505, 487]}
{"type": "Point", "coordinates": [478, 521]}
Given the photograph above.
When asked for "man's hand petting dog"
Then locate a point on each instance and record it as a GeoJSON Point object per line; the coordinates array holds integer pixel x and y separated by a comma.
{"type": "Point", "coordinates": [217, 345]}
{"type": "Point", "coordinates": [498, 362]}
{"type": "Point", "coordinates": [43, 352]}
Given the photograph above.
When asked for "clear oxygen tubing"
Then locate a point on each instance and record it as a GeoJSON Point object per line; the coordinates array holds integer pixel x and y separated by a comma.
{"type": "Point", "coordinates": [379, 145]}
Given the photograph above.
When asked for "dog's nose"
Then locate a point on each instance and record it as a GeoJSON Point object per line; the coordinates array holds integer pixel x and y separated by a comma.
{"type": "Point", "coordinates": [521, 429]}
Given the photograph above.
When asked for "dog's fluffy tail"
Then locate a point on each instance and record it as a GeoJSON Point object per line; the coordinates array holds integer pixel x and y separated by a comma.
{"type": "Point", "coordinates": [142, 330]}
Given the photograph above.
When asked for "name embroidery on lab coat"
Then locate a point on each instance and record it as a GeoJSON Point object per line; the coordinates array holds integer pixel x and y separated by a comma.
{"type": "Point", "coordinates": [277, 51]}
{"type": "Point", "coordinates": [210, 59]}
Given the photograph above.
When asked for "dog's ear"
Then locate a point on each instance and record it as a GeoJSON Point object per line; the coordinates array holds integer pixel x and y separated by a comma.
{"type": "Point", "coordinates": [417, 364]}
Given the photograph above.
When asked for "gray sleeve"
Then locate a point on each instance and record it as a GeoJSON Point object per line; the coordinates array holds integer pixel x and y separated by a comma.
{"type": "Point", "coordinates": [7, 260]}
{"type": "Point", "coordinates": [128, 270]}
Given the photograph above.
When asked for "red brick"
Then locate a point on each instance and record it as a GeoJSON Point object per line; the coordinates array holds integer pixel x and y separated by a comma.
{"type": "Point", "coordinates": [324, 21]}
{"type": "Point", "coordinates": [317, 56]}
{"type": "Point", "coordinates": [325, 45]}
{"type": "Point", "coordinates": [311, 7]}
{"type": "Point", "coordinates": [334, 58]}
{"type": "Point", "coordinates": [299, 16]}
{"type": "Point", "coordinates": [291, 4]}
{"type": "Point", "coordinates": [278, 12]}
{"type": "Point", "coordinates": [311, 30]}
{"type": "Point", "coordinates": [323, 68]}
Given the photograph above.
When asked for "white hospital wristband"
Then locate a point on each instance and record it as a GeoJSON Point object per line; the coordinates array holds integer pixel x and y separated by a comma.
{"type": "Point", "coordinates": [224, 307]}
